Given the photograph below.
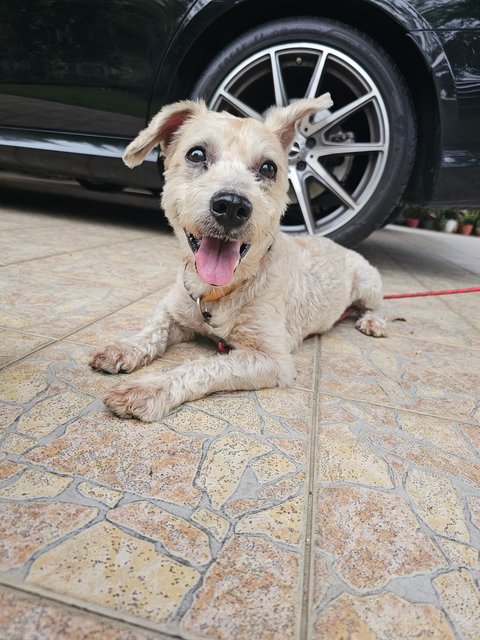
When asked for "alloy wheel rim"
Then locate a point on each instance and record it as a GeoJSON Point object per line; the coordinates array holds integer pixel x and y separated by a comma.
{"type": "Point", "coordinates": [339, 155]}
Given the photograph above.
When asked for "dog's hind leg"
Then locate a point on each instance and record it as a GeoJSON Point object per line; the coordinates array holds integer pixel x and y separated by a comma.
{"type": "Point", "coordinates": [367, 296]}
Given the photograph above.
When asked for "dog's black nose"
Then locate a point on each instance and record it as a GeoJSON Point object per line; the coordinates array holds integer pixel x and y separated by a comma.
{"type": "Point", "coordinates": [230, 209]}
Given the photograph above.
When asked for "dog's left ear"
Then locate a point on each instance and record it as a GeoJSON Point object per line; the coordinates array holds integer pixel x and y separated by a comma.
{"type": "Point", "coordinates": [161, 130]}
{"type": "Point", "coordinates": [284, 121]}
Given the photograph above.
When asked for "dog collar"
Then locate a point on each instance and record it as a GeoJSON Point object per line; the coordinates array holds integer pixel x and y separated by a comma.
{"type": "Point", "coordinates": [216, 295]}
{"type": "Point", "coordinates": [210, 297]}
{"type": "Point", "coordinates": [222, 345]}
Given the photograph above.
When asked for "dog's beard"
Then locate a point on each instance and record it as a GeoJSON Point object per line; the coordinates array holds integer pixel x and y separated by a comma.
{"type": "Point", "coordinates": [216, 258]}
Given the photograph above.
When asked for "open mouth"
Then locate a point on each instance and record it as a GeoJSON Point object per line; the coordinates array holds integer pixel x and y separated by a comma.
{"type": "Point", "coordinates": [216, 258]}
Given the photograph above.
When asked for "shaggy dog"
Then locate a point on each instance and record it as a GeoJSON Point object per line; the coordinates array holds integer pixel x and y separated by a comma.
{"type": "Point", "coordinates": [254, 290]}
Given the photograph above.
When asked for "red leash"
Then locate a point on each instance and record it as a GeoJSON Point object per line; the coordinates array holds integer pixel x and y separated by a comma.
{"type": "Point", "coordinates": [418, 294]}
{"type": "Point", "coordinates": [423, 294]}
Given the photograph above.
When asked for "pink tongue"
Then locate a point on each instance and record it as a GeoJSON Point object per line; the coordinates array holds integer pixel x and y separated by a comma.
{"type": "Point", "coordinates": [216, 260]}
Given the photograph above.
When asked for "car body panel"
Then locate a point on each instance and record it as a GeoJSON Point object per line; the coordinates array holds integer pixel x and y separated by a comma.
{"type": "Point", "coordinates": [78, 80]}
{"type": "Point", "coordinates": [457, 26]}
{"type": "Point", "coordinates": [72, 75]}
{"type": "Point", "coordinates": [450, 53]}
{"type": "Point", "coordinates": [84, 66]}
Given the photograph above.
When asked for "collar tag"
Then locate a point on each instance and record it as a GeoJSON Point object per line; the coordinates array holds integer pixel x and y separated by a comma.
{"type": "Point", "coordinates": [222, 346]}
{"type": "Point", "coordinates": [207, 316]}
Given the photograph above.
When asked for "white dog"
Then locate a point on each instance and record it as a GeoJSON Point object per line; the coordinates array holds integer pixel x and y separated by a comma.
{"type": "Point", "coordinates": [254, 290]}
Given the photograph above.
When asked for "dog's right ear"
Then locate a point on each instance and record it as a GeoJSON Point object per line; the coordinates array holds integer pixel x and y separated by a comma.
{"type": "Point", "coordinates": [161, 130]}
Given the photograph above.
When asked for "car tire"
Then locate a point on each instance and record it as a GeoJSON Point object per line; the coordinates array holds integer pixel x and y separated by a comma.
{"type": "Point", "coordinates": [361, 151]}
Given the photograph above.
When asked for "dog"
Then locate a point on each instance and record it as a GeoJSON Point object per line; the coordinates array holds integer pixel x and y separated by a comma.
{"type": "Point", "coordinates": [254, 290]}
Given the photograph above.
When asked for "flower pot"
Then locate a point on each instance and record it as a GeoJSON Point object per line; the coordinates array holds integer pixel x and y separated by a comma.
{"type": "Point", "coordinates": [451, 226]}
{"type": "Point", "coordinates": [466, 229]}
{"type": "Point", "coordinates": [412, 222]}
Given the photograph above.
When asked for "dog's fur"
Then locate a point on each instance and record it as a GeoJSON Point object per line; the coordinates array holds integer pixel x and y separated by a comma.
{"type": "Point", "coordinates": [284, 289]}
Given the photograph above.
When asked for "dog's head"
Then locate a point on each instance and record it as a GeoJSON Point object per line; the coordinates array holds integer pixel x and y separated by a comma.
{"type": "Point", "coordinates": [226, 179]}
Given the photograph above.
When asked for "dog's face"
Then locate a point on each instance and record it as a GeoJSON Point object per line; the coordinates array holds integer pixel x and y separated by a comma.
{"type": "Point", "coordinates": [226, 179]}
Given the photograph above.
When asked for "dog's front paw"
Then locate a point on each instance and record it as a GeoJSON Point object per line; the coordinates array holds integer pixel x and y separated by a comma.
{"type": "Point", "coordinates": [119, 358]}
{"type": "Point", "coordinates": [146, 398]}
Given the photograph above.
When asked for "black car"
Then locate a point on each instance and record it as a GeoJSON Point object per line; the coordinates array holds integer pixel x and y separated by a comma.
{"type": "Point", "coordinates": [79, 79]}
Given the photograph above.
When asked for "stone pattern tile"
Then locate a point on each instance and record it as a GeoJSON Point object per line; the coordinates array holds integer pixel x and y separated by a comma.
{"type": "Point", "coordinates": [177, 536]}
{"type": "Point", "coordinates": [9, 469]}
{"type": "Point", "coordinates": [197, 525]}
{"type": "Point", "coordinates": [148, 521]}
{"type": "Point", "coordinates": [459, 594]}
{"type": "Point", "coordinates": [176, 491]}
{"type": "Point", "coordinates": [148, 460]}
{"type": "Point", "coordinates": [396, 525]}
{"type": "Point", "coordinates": [15, 345]}
{"type": "Point", "coordinates": [417, 374]}
{"type": "Point", "coordinates": [162, 506]}
{"type": "Point", "coordinates": [395, 511]}
{"type": "Point", "coordinates": [35, 484]}
{"type": "Point", "coordinates": [381, 616]}
{"type": "Point", "coordinates": [27, 528]}
{"type": "Point", "coordinates": [248, 593]}
{"type": "Point", "coordinates": [116, 570]}
{"type": "Point", "coordinates": [28, 617]}
{"type": "Point", "coordinates": [110, 497]}
{"type": "Point", "coordinates": [57, 295]}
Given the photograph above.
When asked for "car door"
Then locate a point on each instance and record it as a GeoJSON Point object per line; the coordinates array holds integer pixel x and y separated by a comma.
{"type": "Point", "coordinates": [77, 74]}
{"type": "Point", "coordinates": [81, 65]}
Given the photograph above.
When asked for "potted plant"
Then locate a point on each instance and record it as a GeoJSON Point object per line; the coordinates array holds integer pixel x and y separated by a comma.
{"type": "Point", "coordinates": [468, 222]}
{"type": "Point", "coordinates": [450, 221]}
{"type": "Point", "coordinates": [413, 216]}
{"type": "Point", "coordinates": [476, 223]}
{"type": "Point", "coordinates": [430, 219]}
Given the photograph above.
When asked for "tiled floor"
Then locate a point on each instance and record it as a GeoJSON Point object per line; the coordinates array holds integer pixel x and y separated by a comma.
{"type": "Point", "coordinates": [345, 507]}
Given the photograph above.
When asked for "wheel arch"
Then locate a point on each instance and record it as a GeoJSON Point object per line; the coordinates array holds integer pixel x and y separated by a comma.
{"type": "Point", "coordinates": [208, 28]}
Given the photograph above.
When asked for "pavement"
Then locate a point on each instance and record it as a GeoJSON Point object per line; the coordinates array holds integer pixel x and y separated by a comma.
{"type": "Point", "coordinates": [344, 507]}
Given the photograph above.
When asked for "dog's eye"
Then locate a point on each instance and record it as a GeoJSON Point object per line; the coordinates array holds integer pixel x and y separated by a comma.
{"type": "Point", "coordinates": [197, 155]}
{"type": "Point", "coordinates": [268, 170]}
